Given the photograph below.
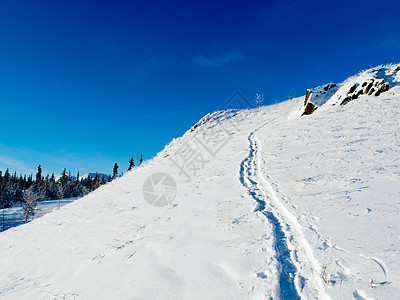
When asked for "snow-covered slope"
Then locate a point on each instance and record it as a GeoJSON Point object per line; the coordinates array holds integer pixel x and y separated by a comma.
{"type": "Point", "coordinates": [257, 205]}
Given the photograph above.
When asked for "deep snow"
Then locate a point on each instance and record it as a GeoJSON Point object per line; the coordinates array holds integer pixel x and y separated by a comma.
{"type": "Point", "coordinates": [268, 205]}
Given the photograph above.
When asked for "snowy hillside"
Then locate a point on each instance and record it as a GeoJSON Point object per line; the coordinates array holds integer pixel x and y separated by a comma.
{"type": "Point", "coordinates": [249, 204]}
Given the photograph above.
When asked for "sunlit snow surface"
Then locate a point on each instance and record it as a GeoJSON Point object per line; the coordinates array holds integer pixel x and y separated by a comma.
{"type": "Point", "coordinates": [273, 206]}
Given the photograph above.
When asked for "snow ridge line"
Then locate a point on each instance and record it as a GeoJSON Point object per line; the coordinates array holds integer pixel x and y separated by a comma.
{"type": "Point", "coordinates": [289, 219]}
{"type": "Point", "coordinates": [286, 269]}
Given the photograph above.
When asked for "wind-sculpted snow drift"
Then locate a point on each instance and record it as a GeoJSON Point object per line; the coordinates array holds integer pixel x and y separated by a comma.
{"type": "Point", "coordinates": [266, 206]}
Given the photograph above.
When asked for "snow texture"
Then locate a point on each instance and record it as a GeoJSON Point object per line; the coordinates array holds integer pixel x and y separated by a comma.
{"type": "Point", "coordinates": [267, 206]}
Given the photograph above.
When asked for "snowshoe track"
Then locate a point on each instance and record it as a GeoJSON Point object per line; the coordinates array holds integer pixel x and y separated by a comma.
{"type": "Point", "coordinates": [288, 234]}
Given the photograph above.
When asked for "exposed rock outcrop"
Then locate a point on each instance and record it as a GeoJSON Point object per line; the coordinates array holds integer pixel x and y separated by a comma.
{"type": "Point", "coordinates": [316, 97]}
{"type": "Point", "coordinates": [372, 82]}
{"type": "Point", "coordinates": [371, 87]}
{"type": "Point", "coordinates": [309, 109]}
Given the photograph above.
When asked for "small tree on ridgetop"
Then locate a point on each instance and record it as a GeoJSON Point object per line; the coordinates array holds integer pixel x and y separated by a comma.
{"type": "Point", "coordinates": [115, 171]}
{"type": "Point", "coordinates": [131, 164]}
{"type": "Point", "coordinates": [141, 158]}
{"type": "Point", "coordinates": [258, 99]}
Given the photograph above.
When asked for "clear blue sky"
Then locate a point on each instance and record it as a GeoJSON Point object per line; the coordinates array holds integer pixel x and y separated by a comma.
{"type": "Point", "coordinates": [85, 84]}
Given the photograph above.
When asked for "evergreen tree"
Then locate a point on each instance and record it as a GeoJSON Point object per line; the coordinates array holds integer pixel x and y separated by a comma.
{"type": "Point", "coordinates": [131, 164]}
{"type": "Point", "coordinates": [115, 171]}
{"type": "Point", "coordinates": [39, 175]}
{"type": "Point", "coordinates": [29, 182]}
{"type": "Point", "coordinates": [64, 177]}
{"type": "Point", "coordinates": [96, 181]}
{"type": "Point", "coordinates": [51, 188]}
{"type": "Point", "coordinates": [5, 200]}
{"type": "Point", "coordinates": [6, 176]}
{"type": "Point", "coordinates": [141, 158]}
{"type": "Point", "coordinates": [19, 189]}
{"type": "Point", "coordinates": [3, 220]}
{"type": "Point", "coordinates": [88, 183]}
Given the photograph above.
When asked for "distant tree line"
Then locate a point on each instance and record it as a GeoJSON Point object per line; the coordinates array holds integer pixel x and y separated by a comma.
{"type": "Point", "coordinates": [27, 190]}
{"type": "Point", "coordinates": [13, 187]}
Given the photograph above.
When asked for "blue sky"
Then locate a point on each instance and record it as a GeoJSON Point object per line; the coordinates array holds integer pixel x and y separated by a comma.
{"type": "Point", "coordinates": [85, 84]}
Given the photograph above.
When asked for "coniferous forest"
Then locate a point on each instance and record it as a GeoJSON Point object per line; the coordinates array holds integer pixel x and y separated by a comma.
{"type": "Point", "coordinates": [13, 186]}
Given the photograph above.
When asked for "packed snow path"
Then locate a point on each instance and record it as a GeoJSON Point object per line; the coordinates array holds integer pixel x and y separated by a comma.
{"type": "Point", "coordinates": [286, 268]}
{"type": "Point", "coordinates": [291, 283]}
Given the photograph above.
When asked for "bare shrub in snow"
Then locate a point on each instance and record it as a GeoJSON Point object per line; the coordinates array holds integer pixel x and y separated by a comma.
{"type": "Point", "coordinates": [258, 99]}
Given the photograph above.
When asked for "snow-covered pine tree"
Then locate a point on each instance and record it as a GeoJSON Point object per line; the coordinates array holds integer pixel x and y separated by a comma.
{"type": "Point", "coordinates": [31, 197]}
